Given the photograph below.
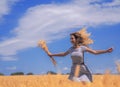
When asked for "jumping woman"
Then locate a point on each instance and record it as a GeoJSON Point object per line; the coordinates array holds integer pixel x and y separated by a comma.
{"type": "Point", "coordinates": [80, 41]}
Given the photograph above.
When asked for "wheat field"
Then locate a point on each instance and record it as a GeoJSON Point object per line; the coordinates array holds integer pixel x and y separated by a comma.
{"type": "Point", "coordinates": [106, 80]}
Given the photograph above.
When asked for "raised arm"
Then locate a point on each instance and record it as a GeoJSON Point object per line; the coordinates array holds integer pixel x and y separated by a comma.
{"type": "Point", "coordinates": [99, 51]}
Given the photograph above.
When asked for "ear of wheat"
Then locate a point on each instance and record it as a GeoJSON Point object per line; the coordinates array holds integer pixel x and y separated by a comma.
{"type": "Point", "coordinates": [43, 45]}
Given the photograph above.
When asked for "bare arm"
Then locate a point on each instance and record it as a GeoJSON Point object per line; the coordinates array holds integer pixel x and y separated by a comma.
{"type": "Point", "coordinates": [99, 51]}
{"type": "Point", "coordinates": [59, 54]}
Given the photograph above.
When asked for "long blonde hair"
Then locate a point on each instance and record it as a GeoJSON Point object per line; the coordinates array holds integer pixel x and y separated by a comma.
{"type": "Point", "coordinates": [82, 37]}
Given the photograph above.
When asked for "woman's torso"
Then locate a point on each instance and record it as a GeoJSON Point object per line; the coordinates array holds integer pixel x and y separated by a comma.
{"type": "Point", "coordinates": [77, 54]}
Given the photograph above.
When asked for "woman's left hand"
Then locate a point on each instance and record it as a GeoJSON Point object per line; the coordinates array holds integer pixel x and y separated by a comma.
{"type": "Point", "coordinates": [110, 50]}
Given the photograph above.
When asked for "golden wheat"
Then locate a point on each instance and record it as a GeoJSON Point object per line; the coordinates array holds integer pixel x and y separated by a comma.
{"type": "Point", "coordinates": [43, 45]}
{"type": "Point", "coordinates": [106, 80]}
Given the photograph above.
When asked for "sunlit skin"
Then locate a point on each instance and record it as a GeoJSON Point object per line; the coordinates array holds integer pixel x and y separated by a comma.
{"type": "Point", "coordinates": [73, 41]}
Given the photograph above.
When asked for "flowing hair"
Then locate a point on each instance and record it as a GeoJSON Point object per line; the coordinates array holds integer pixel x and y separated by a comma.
{"type": "Point", "coordinates": [82, 37]}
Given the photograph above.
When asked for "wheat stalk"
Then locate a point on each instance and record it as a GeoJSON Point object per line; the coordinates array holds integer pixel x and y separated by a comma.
{"type": "Point", "coordinates": [43, 45]}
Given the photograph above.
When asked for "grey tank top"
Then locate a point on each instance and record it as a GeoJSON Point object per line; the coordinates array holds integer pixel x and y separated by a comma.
{"type": "Point", "coordinates": [77, 54]}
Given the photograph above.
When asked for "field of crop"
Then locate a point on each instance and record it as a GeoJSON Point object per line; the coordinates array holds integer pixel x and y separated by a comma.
{"type": "Point", "coordinates": [106, 80]}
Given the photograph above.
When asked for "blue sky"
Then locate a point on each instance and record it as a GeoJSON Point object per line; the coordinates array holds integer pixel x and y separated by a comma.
{"type": "Point", "coordinates": [24, 22]}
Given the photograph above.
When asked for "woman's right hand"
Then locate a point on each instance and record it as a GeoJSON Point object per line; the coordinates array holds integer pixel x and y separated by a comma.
{"type": "Point", "coordinates": [49, 54]}
{"type": "Point", "coordinates": [52, 59]}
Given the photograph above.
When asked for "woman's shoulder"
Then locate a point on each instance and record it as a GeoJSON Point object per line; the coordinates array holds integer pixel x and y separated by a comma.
{"type": "Point", "coordinates": [83, 47]}
{"type": "Point", "coordinates": [70, 49]}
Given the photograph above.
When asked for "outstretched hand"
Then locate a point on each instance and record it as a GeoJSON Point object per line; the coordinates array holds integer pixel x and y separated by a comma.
{"type": "Point", "coordinates": [53, 61]}
{"type": "Point", "coordinates": [49, 54]}
{"type": "Point", "coordinates": [110, 50]}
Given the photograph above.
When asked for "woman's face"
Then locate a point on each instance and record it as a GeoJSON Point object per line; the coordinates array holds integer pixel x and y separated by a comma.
{"type": "Point", "coordinates": [72, 39]}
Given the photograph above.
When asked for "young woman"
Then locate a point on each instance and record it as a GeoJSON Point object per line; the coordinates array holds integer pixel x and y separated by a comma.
{"type": "Point", "coordinates": [80, 40]}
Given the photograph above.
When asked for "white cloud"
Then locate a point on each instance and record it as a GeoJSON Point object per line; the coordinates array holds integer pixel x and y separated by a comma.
{"type": "Point", "coordinates": [5, 6]}
{"type": "Point", "coordinates": [52, 21]}
{"type": "Point", "coordinates": [66, 68]}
